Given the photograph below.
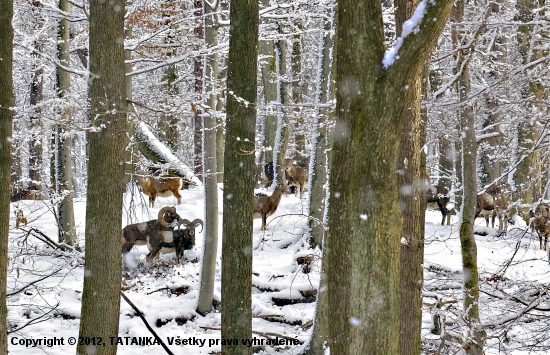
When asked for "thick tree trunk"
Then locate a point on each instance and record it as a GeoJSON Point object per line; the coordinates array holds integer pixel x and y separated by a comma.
{"type": "Point", "coordinates": [412, 202]}
{"type": "Point", "coordinates": [6, 122]}
{"type": "Point", "coordinates": [106, 178]}
{"type": "Point", "coordinates": [208, 274]}
{"type": "Point", "coordinates": [64, 178]}
{"type": "Point", "coordinates": [365, 224]}
{"type": "Point", "coordinates": [239, 175]}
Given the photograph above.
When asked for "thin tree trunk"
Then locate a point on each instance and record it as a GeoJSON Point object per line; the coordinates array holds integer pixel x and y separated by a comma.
{"type": "Point", "coordinates": [199, 129]}
{"type": "Point", "coordinates": [476, 338]}
{"type": "Point", "coordinates": [446, 161]}
{"type": "Point", "coordinates": [64, 178]}
{"type": "Point", "coordinates": [208, 274]}
{"type": "Point", "coordinates": [319, 170]}
{"type": "Point", "coordinates": [220, 132]}
{"type": "Point", "coordinates": [467, 239]}
{"type": "Point", "coordinates": [6, 122]}
{"type": "Point", "coordinates": [239, 175]}
{"type": "Point", "coordinates": [282, 134]}
{"type": "Point", "coordinates": [320, 138]}
{"type": "Point", "coordinates": [298, 119]}
{"type": "Point", "coordinates": [106, 178]}
{"type": "Point", "coordinates": [36, 96]}
{"type": "Point", "coordinates": [268, 70]}
{"type": "Point", "coordinates": [526, 176]}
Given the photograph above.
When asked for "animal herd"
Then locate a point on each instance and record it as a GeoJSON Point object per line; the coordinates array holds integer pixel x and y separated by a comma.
{"type": "Point", "coordinates": [494, 202]}
{"type": "Point", "coordinates": [170, 233]}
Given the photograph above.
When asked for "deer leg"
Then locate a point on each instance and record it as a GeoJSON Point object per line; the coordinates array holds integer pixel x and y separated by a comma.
{"type": "Point", "coordinates": [178, 196]}
{"type": "Point", "coordinates": [264, 221]}
{"type": "Point", "coordinates": [153, 254]}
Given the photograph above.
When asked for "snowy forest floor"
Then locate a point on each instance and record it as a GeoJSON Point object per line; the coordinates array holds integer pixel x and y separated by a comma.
{"type": "Point", "coordinates": [45, 284]}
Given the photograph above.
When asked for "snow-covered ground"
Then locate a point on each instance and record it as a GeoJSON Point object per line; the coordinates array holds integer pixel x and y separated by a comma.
{"type": "Point", "coordinates": [165, 292]}
{"type": "Point", "coordinates": [47, 284]}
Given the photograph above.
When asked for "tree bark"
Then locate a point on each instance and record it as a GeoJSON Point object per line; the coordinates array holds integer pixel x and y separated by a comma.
{"type": "Point", "coordinates": [268, 71]}
{"type": "Point", "coordinates": [199, 70]}
{"type": "Point", "coordinates": [239, 175]}
{"type": "Point", "coordinates": [6, 122]}
{"type": "Point", "coordinates": [35, 97]}
{"type": "Point", "coordinates": [64, 178]}
{"type": "Point", "coordinates": [365, 224]}
{"type": "Point", "coordinates": [412, 202]}
{"type": "Point", "coordinates": [476, 338]}
{"type": "Point", "coordinates": [467, 239]}
{"type": "Point", "coordinates": [318, 178]}
{"type": "Point", "coordinates": [208, 274]}
{"type": "Point", "coordinates": [281, 135]}
{"type": "Point", "coordinates": [106, 178]}
{"type": "Point", "coordinates": [527, 174]}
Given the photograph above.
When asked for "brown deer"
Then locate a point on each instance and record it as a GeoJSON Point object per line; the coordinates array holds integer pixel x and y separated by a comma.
{"type": "Point", "coordinates": [495, 202]}
{"type": "Point", "coordinates": [437, 198]}
{"type": "Point", "coordinates": [296, 176]}
{"type": "Point", "coordinates": [163, 185]}
{"type": "Point", "coordinates": [541, 224]}
{"type": "Point", "coordinates": [265, 206]}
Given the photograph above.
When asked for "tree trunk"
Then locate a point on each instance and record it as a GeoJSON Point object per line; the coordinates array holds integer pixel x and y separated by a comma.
{"type": "Point", "coordinates": [527, 174]}
{"type": "Point", "coordinates": [446, 161]}
{"type": "Point", "coordinates": [282, 135]}
{"type": "Point", "coordinates": [467, 240]}
{"type": "Point", "coordinates": [412, 202]}
{"type": "Point", "coordinates": [6, 122]}
{"type": "Point", "coordinates": [320, 138]}
{"type": "Point", "coordinates": [36, 96]}
{"type": "Point", "coordinates": [208, 275]}
{"type": "Point", "coordinates": [268, 70]}
{"type": "Point", "coordinates": [297, 81]}
{"type": "Point", "coordinates": [476, 338]}
{"type": "Point", "coordinates": [168, 123]}
{"type": "Point", "coordinates": [239, 175]}
{"type": "Point", "coordinates": [319, 170]}
{"type": "Point", "coordinates": [106, 178]}
{"type": "Point", "coordinates": [199, 130]}
{"type": "Point", "coordinates": [220, 142]}
{"type": "Point", "coordinates": [64, 176]}
{"type": "Point", "coordinates": [365, 224]}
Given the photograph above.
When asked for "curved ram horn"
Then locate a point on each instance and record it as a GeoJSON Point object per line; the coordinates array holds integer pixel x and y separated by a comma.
{"type": "Point", "coordinates": [184, 221]}
{"type": "Point", "coordinates": [162, 212]}
{"type": "Point", "coordinates": [198, 221]}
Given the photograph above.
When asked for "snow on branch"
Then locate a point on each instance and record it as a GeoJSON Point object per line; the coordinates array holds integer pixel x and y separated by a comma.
{"type": "Point", "coordinates": [145, 135]}
{"type": "Point", "coordinates": [410, 26]}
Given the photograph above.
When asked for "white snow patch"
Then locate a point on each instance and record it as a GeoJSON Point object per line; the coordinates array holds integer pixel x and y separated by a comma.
{"type": "Point", "coordinates": [411, 25]}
